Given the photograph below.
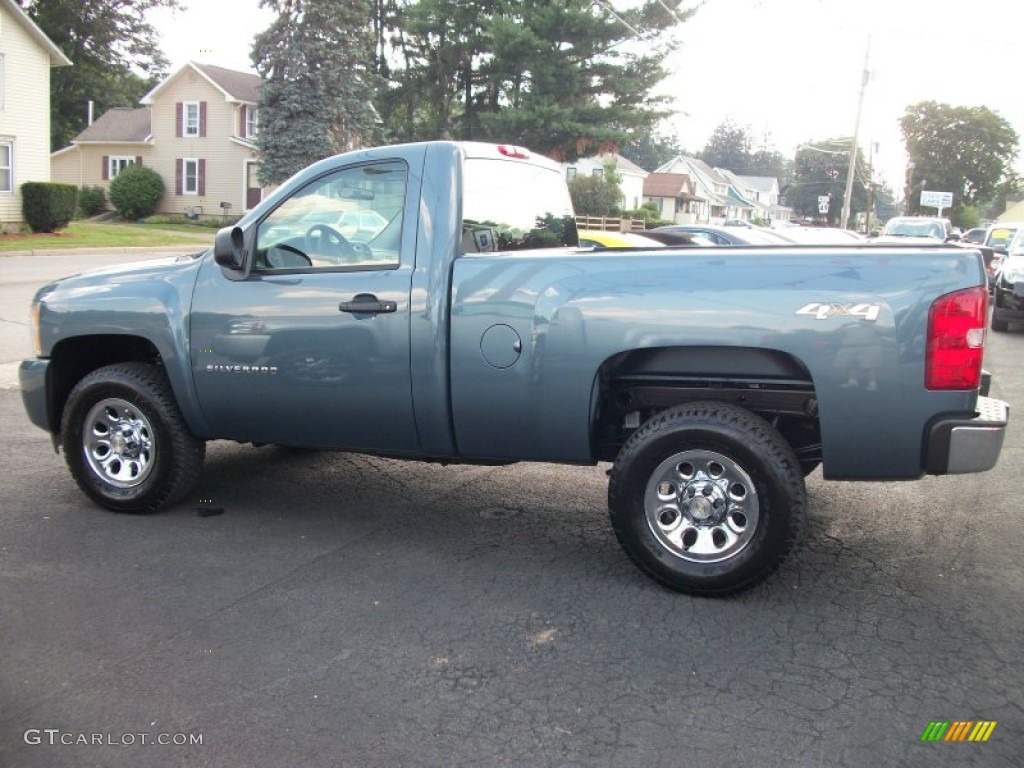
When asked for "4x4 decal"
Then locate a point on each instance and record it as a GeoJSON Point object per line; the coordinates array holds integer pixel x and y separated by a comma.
{"type": "Point", "coordinates": [824, 311]}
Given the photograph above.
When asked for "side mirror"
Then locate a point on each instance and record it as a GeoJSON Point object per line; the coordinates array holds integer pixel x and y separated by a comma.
{"type": "Point", "coordinates": [953, 237]}
{"type": "Point", "coordinates": [228, 249]}
{"type": "Point", "coordinates": [873, 233]}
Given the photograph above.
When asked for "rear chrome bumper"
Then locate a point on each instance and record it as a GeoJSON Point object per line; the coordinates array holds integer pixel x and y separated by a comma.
{"type": "Point", "coordinates": [958, 445]}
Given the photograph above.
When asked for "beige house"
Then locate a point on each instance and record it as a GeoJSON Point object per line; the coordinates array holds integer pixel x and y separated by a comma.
{"type": "Point", "coordinates": [26, 56]}
{"type": "Point", "coordinates": [197, 130]}
{"type": "Point", "coordinates": [675, 196]}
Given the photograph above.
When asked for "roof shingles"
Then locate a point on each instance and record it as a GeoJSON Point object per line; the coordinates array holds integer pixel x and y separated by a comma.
{"type": "Point", "coordinates": [119, 124]}
{"type": "Point", "coordinates": [241, 86]}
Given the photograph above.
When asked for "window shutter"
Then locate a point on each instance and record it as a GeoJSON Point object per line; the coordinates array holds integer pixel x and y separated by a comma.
{"type": "Point", "coordinates": [177, 175]}
{"type": "Point", "coordinates": [202, 118]}
{"type": "Point", "coordinates": [241, 122]}
{"type": "Point", "coordinates": [202, 177]}
{"type": "Point", "coordinates": [179, 118]}
{"type": "Point", "coordinates": [106, 167]}
{"type": "Point", "coordinates": [138, 159]}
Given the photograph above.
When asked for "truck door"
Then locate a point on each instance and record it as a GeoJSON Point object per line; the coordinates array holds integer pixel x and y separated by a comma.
{"type": "Point", "coordinates": [312, 347]}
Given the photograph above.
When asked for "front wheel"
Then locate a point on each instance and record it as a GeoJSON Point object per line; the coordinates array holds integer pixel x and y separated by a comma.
{"type": "Point", "coordinates": [126, 442]}
{"type": "Point", "coordinates": [707, 498]}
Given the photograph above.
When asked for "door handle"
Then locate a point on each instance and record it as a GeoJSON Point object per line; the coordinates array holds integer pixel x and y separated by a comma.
{"type": "Point", "coordinates": [367, 303]}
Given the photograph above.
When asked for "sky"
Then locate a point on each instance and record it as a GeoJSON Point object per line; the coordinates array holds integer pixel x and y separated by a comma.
{"type": "Point", "coordinates": [790, 69]}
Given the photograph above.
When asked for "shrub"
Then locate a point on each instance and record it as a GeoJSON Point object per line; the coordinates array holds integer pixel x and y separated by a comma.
{"type": "Point", "coordinates": [92, 200]}
{"type": "Point", "coordinates": [136, 191]}
{"type": "Point", "coordinates": [47, 206]}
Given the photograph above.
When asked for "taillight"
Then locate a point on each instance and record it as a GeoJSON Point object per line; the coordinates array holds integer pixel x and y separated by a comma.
{"type": "Point", "coordinates": [956, 339]}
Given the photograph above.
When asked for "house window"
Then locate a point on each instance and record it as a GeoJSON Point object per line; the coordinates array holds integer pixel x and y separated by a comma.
{"type": "Point", "coordinates": [570, 173]}
{"type": "Point", "coordinates": [6, 166]}
{"type": "Point", "coordinates": [118, 164]}
{"type": "Point", "coordinates": [251, 123]}
{"type": "Point", "coordinates": [599, 173]}
{"type": "Point", "coordinates": [190, 176]}
{"type": "Point", "coordinates": [191, 119]}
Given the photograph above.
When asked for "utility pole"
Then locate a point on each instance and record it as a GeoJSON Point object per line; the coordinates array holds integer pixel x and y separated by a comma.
{"type": "Point", "coordinates": [865, 76]}
{"type": "Point", "coordinates": [872, 148]}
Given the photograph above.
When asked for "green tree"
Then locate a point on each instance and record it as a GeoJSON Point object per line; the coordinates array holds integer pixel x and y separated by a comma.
{"type": "Point", "coordinates": [318, 64]}
{"type": "Point", "coordinates": [968, 151]}
{"type": "Point", "coordinates": [595, 196]}
{"type": "Point", "coordinates": [651, 150]}
{"type": "Point", "coordinates": [769, 162]}
{"type": "Point", "coordinates": [108, 41]}
{"type": "Point", "coordinates": [729, 147]}
{"type": "Point", "coordinates": [820, 170]}
{"type": "Point", "coordinates": [568, 78]}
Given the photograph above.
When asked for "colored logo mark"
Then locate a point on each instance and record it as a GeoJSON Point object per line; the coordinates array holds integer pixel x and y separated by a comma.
{"type": "Point", "coordinates": [958, 730]}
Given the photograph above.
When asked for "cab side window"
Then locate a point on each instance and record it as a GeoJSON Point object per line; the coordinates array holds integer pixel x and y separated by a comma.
{"type": "Point", "coordinates": [348, 219]}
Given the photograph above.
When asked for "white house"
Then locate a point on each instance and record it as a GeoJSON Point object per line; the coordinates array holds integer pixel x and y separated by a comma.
{"type": "Point", "coordinates": [632, 176]}
{"type": "Point", "coordinates": [26, 57]}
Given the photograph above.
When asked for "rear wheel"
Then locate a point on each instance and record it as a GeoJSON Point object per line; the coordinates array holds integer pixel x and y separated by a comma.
{"type": "Point", "coordinates": [126, 442]}
{"type": "Point", "coordinates": [707, 498]}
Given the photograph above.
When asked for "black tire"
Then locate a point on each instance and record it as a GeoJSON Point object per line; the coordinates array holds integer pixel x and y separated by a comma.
{"type": "Point", "coordinates": [702, 438]}
{"type": "Point", "coordinates": [150, 461]}
{"type": "Point", "coordinates": [999, 324]}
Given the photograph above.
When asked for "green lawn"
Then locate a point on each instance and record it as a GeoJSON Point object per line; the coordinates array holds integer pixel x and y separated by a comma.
{"type": "Point", "coordinates": [82, 234]}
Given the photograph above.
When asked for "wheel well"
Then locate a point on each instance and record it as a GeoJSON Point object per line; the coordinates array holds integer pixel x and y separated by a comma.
{"type": "Point", "coordinates": [74, 358]}
{"type": "Point", "coordinates": [633, 386]}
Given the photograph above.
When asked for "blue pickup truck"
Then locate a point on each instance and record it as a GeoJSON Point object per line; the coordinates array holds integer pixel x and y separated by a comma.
{"type": "Point", "coordinates": [431, 301]}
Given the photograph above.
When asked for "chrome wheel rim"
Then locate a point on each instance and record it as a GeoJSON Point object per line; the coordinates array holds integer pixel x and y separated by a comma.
{"type": "Point", "coordinates": [118, 443]}
{"type": "Point", "coordinates": [701, 506]}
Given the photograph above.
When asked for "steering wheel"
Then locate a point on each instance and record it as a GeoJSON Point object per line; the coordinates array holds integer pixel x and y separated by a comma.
{"type": "Point", "coordinates": [324, 240]}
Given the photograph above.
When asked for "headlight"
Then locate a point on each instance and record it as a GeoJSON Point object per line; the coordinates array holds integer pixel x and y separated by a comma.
{"type": "Point", "coordinates": [37, 342]}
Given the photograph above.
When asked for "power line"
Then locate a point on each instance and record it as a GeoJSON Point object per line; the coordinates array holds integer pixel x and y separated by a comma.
{"type": "Point", "coordinates": [608, 7]}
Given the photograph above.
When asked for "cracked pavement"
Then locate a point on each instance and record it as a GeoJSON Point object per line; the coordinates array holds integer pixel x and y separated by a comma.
{"type": "Point", "coordinates": [354, 611]}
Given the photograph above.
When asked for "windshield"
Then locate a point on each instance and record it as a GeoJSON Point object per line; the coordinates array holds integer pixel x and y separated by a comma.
{"type": "Point", "coordinates": [510, 205]}
{"type": "Point", "coordinates": [915, 228]}
{"type": "Point", "coordinates": [1016, 247]}
{"type": "Point", "coordinates": [1000, 236]}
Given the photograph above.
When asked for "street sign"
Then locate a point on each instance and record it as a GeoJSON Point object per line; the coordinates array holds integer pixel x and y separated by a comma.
{"type": "Point", "coordinates": [823, 201]}
{"type": "Point", "coordinates": [936, 199]}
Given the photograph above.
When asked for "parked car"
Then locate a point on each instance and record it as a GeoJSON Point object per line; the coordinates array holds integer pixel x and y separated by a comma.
{"type": "Point", "coordinates": [917, 230]}
{"type": "Point", "coordinates": [596, 238]}
{"type": "Point", "coordinates": [1008, 286]}
{"type": "Point", "coordinates": [725, 235]}
{"type": "Point", "coordinates": [975, 236]}
{"type": "Point", "coordinates": [824, 236]}
{"type": "Point", "coordinates": [713, 380]}
{"type": "Point", "coordinates": [1000, 234]}
{"type": "Point", "coordinates": [679, 238]}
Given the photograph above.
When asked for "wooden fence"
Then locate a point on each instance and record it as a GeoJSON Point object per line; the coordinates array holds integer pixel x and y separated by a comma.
{"type": "Point", "coordinates": [610, 224]}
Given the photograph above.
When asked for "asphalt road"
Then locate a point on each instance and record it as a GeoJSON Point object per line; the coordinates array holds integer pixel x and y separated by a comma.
{"type": "Point", "coordinates": [351, 611]}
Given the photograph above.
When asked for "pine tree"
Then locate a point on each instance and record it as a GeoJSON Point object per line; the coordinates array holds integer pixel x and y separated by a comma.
{"type": "Point", "coordinates": [564, 77]}
{"type": "Point", "coordinates": [317, 61]}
